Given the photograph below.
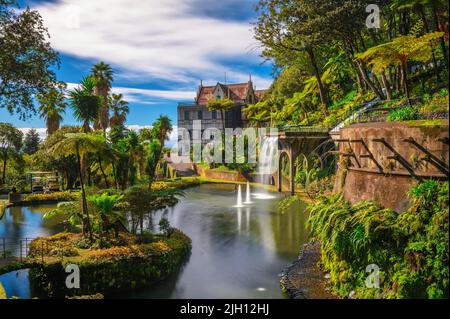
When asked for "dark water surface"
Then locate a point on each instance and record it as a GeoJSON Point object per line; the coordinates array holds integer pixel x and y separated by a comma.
{"type": "Point", "coordinates": [236, 252]}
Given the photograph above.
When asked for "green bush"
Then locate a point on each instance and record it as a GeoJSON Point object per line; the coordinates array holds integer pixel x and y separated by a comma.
{"type": "Point", "coordinates": [403, 114]}
{"type": "Point", "coordinates": [411, 248]}
{"type": "Point", "coordinates": [57, 196]}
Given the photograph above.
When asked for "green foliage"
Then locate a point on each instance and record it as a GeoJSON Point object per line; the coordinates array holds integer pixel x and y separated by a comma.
{"type": "Point", "coordinates": [165, 227]}
{"type": "Point", "coordinates": [52, 106]}
{"type": "Point", "coordinates": [119, 268]}
{"type": "Point", "coordinates": [2, 292]}
{"type": "Point", "coordinates": [31, 142]}
{"type": "Point", "coordinates": [10, 145]}
{"type": "Point", "coordinates": [85, 104]}
{"type": "Point", "coordinates": [26, 59]}
{"type": "Point", "coordinates": [407, 113]}
{"type": "Point", "coordinates": [411, 249]}
{"type": "Point", "coordinates": [56, 196]}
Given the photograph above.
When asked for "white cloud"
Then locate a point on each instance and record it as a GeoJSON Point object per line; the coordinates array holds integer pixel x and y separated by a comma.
{"type": "Point", "coordinates": [145, 96]}
{"type": "Point", "coordinates": [159, 39]}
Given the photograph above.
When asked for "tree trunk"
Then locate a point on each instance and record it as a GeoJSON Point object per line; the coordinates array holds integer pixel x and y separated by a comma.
{"type": "Point", "coordinates": [116, 182]}
{"type": "Point", "coordinates": [405, 80]}
{"type": "Point", "coordinates": [103, 172]}
{"type": "Point", "coordinates": [363, 73]}
{"type": "Point", "coordinates": [437, 25]}
{"type": "Point", "coordinates": [386, 85]}
{"type": "Point", "coordinates": [322, 91]}
{"type": "Point", "coordinates": [427, 29]}
{"type": "Point", "coordinates": [83, 198]}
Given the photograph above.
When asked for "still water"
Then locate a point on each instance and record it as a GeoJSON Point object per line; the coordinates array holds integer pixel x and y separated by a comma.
{"type": "Point", "coordinates": [236, 252]}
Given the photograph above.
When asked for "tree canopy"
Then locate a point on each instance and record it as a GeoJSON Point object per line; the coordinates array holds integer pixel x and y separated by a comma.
{"type": "Point", "coordinates": [26, 59]}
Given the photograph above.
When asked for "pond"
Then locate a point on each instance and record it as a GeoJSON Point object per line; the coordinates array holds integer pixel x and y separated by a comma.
{"type": "Point", "coordinates": [236, 252]}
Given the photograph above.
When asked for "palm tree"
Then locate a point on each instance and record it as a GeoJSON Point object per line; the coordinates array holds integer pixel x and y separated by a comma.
{"type": "Point", "coordinates": [103, 74]}
{"type": "Point", "coordinates": [84, 103]}
{"type": "Point", "coordinates": [162, 127]}
{"type": "Point", "coordinates": [154, 155]}
{"type": "Point", "coordinates": [80, 144]}
{"type": "Point", "coordinates": [120, 109]}
{"type": "Point", "coordinates": [52, 106]}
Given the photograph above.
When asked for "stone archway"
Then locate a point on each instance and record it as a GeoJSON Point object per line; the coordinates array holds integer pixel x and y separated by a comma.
{"type": "Point", "coordinates": [292, 146]}
{"type": "Point", "coordinates": [285, 154]}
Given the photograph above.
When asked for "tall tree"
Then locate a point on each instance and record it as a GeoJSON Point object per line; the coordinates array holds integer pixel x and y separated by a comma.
{"type": "Point", "coordinates": [119, 108]}
{"type": "Point", "coordinates": [52, 106]}
{"type": "Point", "coordinates": [26, 58]}
{"type": "Point", "coordinates": [221, 105]}
{"type": "Point", "coordinates": [103, 75]}
{"type": "Point", "coordinates": [31, 142]}
{"type": "Point", "coordinates": [285, 29]}
{"type": "Point", "coordinates": [10, 145]}
{"type": "Point", "coordinates": [85, 104]}
{"type": "Point", "coordinates": [154, 155]}
{"type": "Point", "coordinates": [162, 127]}
{"type": "Point", "coordinates": [80, 144]}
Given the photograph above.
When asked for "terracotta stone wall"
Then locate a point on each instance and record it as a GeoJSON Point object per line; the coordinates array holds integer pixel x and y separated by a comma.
{"type": "Point", "coordinates": [383, 178]}
{"type": "Point", "coordinates": [226, 176]}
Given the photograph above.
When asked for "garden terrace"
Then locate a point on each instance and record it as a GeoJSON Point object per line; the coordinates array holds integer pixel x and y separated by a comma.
{"type": "Point", "coordinates": [129, 262]}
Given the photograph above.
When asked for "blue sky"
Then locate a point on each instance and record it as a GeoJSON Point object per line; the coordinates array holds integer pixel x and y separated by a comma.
{"type": "Point", "coordinates": [159, 49]}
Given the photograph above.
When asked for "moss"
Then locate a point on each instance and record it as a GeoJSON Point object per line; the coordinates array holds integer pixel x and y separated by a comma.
{"type": "Point", "coordinates": [422, 123]}
{"type": "Point", "coordinates": [107, 271]}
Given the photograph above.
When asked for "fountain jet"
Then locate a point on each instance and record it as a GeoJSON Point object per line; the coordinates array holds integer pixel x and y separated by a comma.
{"type": "Point", "coordinates": [247, 195]}
{"type": "Point", "coordinates": [239, 198]}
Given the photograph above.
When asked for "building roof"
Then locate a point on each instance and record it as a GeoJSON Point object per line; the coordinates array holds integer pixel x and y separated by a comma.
{"type": "Point", "coordinates": [260, 94]}
{"type": "Point", "coordinates": [238, 92]}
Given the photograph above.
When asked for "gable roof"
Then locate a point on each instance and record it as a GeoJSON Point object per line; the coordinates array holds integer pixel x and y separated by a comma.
{"type": "Point", "coordinates": [237, 92]}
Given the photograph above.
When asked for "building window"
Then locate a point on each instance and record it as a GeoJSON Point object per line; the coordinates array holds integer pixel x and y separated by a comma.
{"type": "Point", "coordinates": [214, 115]}
{"type": "Point", "coordinates": [186, 115]}
{"type": "Point", "coordinates": [200, 115]}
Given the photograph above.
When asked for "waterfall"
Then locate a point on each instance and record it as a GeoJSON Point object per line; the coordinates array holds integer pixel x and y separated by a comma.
{"type": "Point", "coordinates": [268, 158]}
{"type": "Point", "coordinates": [267, 164]}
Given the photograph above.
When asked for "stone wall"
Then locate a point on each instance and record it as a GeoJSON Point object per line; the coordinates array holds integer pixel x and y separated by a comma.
{"type": "Point", "coordinates": [222, 175]}
{"type": "Point", "coordinates": [383, 165]}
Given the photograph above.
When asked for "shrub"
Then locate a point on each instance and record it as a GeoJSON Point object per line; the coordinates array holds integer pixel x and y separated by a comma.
{"type": "Point", "coordinates": [164, 226]}
{"type": "Point", "coordinates": [403, 114]}
{"type": "Point", "coordinates": [411, 249]}
{"type": "Point", "coordinates": [57, 196]}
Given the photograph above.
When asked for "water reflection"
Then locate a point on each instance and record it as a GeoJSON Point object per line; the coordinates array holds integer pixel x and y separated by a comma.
{"type": "Point", "coordinates": [236, 253]}
{"type": "Point", "coordinates": [27, 222]}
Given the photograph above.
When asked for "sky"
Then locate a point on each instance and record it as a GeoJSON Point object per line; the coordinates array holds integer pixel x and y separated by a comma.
{"type": "Point", "coordinates": [158, 49]}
